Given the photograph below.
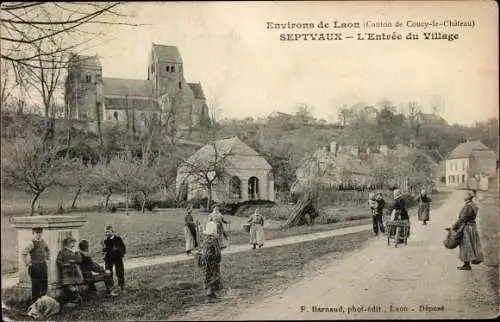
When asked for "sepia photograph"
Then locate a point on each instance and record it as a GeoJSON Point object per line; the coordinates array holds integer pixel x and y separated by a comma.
{"type": "Point", "coordinates": [249, 160]}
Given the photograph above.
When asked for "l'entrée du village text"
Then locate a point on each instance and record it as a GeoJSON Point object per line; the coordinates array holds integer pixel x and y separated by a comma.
{"type": "Point", "coordinates": [342, 30]}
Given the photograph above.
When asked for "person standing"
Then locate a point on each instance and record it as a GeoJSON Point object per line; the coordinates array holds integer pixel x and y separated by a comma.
{"type": "Point", "coordinates": [114, 249]}
{"type": "Point", "coordinates": [217, 217]}
{"type": "Point", "coordinates": [36, 256]}
{"type": "Point", "coordinates": [424, 207]}
{"type": "Point", "coordinates": [211, 258]}
{"type": "Point", "coordinates": [256, 221]}
{"type": "Point", "coordinates": [190, 233]}
{"type": "Point", "coordinates": [378, 213]}
{"type": "Point", "coordinates": [471, 250]}
{"type": "Point", "coordinates": [399, 212]}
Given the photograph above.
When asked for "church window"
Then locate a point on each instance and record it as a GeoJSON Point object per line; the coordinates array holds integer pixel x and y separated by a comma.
{"type": "Point", "coordinates": [180, 85]}
{"type": "Point", "coordinates": [115, 115]}
{"type": "Point", "coordinates": [173, 69]}
{"type": "Point", "coordinates": [168, 69]}
{"type": "Point", "coordinates": [88, 78]}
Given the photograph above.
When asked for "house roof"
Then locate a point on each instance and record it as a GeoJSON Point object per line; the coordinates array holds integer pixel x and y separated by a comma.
{"type": "Point", "coordinates": [197, 90]}
{"type": "Point", "coordinates": [469, 149]}
{"type": "Point", "coordinates": [279, 114]}
{"type": "Point", "coordinates": [241, 156]}
{"type": "Point", "coordinates": [128, 87]}
{"type": "Point", "coordinates": [167, 53]}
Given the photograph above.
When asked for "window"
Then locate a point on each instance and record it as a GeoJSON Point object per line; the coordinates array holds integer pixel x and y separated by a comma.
{"type": "Point", "coordinates": [115, 115]}
{"type": "Point", "coordinates": [173, 69]}
{"type": "Point", "coordinates": [463, 178]}
{"type": "Point", "coordinates": [168, 69]}
{"type": "Point", "coordinates": [463, 165]}
{"type": "Point", "coordinates": [88, 78]}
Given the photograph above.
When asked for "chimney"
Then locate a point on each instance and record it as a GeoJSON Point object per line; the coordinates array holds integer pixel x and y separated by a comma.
{"type": "Point", "coordinates": [333, 148]}
{"type": "Point", "coordinates": [355, 151]}
{"type": "Point", "coordinates": [383, 149]}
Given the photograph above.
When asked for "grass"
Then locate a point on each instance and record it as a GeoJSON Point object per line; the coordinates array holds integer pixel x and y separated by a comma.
{"type": "Point", "coordinates": [161, 232]}
{"type": "Point", "coordinates": [159, 292]}
{"type": "Point", "coordinates": [489, 222]}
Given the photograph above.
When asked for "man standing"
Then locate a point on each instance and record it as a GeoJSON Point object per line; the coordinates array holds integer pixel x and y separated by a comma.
{"type": "Point", "coordinates": [36, 255]}
{"type": "Point", "coordinates": [114, 250]}
{"type": "Point", "coordinates": [377, 214]}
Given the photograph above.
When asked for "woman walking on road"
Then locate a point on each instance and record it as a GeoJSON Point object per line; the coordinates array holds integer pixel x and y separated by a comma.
{"type": "Point", "coordinates": [256, 222]}
{"type": "Point", "coordinates": [471, 250]}
{"type": "Point", "coordinates": [210, 260]}
{"type": "Point", "coordinates": [424, 207]}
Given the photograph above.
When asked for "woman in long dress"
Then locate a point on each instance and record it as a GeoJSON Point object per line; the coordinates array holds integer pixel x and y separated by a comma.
{"type": "Point", "coordinates": [217, 217]}
{"type": "Point", "coordinates": [471, 250]}
{"type": "Point", "coordinates": [190, 233]}
{"type": "Point", "coordinates": [211, 257]}
{"type": "Point", "coordinates": [424, 207]}
{"type": "Point", "coordinates": [256, 221]}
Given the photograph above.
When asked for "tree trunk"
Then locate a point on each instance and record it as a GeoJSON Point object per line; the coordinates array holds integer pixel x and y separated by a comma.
{"type": "Point", "coordinates": [126, 200]}
{"type": "Point", "coordinates": [73, 205]}
{"type": "Point", "coordinates": [35, 198]}
{"type": "Point", "coordinates": [144, 202]}
{"type": "Point", "coordinates": [209, 201]}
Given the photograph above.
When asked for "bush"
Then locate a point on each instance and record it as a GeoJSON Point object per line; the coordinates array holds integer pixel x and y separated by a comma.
{"type": "Point", "coordinates": [137, 200]}
{"type": "Point", "coordinates": [167, 203]}
{"type": "Point", "coordinates": [198, 203]}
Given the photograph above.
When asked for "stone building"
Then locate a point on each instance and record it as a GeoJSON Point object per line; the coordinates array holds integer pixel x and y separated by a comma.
{"type": "Point", "coordinates": [248, 176]}
{"type": "Point", "coordinates": [90, 96]}
{"type": "Point", "coordinates": [469, 163]}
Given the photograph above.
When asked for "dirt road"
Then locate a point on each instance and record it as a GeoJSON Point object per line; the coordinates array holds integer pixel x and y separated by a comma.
{"type": "Point", "coordinates": [419, 280]}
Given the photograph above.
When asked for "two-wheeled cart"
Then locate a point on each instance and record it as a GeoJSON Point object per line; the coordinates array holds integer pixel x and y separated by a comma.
{"type": "Point", "coordinates": [397, 231]}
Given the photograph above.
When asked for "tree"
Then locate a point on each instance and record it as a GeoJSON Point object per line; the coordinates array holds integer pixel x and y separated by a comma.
{"type": "Point", "coordinates": [206, 168]}
{"type": "Point", "coordinates": [146, 181]}
{"type": "Point", "coordinates": [75, 174]}
{"type": "Point", "coordinates": [30, 165]}
{"type": "Point", "coordinates": [123, 169]}
{"type": "Point", "coordinates": [343, 114]}
{"type": "Point", "coordinates": [102, 180]}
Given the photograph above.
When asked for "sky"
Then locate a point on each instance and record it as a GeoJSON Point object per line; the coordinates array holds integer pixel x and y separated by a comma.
{"type": "Point", "coordinates": [245, 69]}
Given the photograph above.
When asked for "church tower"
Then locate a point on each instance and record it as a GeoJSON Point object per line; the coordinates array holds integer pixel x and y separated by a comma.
{"type": "Point", "coordinates": [83, 88]}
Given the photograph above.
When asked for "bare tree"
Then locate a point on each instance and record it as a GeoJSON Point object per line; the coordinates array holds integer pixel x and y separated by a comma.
{"type": "Point", "coordinates": [206, 168]}
{"type": "Point", "coordinates": [102, 180]}
{"type": "Point", "coordinates": [28, 164]}
{"type": "Point", "coordinates": [344, 113]}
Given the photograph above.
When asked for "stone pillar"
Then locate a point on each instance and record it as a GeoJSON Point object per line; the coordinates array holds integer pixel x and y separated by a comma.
{"type": "Point", "coordinates": [55, 229]}
{"type": "Point", "coordinates": [244, 189]}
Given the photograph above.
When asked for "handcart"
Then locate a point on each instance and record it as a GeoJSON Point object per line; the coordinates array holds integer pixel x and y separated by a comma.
{"type": "Point", "coordinates": [397, 231]}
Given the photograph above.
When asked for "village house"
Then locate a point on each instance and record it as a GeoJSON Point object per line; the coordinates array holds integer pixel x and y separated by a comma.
{"type": "Point", "coordinates": [90, 96]}
{"type": "Point", "coordinates": [470, 165]}
{"type": "Point", "coordinates": [247, 175]}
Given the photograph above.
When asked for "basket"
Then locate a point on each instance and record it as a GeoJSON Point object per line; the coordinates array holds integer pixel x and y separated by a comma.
{"type": "Point", "coordinates": [246, 227]}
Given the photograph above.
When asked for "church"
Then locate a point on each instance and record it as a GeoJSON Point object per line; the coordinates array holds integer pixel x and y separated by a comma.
{"type": "Point", "coordinates": [164, 94]}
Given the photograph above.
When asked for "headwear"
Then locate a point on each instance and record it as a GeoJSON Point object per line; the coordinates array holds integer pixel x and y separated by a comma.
{"type": "Point", "coordinates": [469, 196]}
{"type": "Point", "coordinates": [68, 240]}
{"type": "Point", "coordinates": [210, 228]}
{"type": "Point", "coordinates": [423, 192]}
{"type": "Point", "coordinates": [83, 245]}
{"type": "Point", "coordinates": [397, 193]}
{"type": "Point", "coordinates": [109, 227]}
{"type": "Point", "coordinates": [37, 230]}
{"type": "Point", "coordinates": [371, 195]}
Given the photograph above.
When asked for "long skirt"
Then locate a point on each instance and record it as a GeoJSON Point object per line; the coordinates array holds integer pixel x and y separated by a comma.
{"type": "Point", "coordinates": [423, 212]}
{"type": "Point", "coordinates": [471, 249]}
{"type": "Point", "coordinates": [190, 239]}
{"type": "Point", "coordinates": [213, 282]}
{"type": "Point", "coordinates": [223, 238]}
{"type": "Point", "coordinates": [257, 235]}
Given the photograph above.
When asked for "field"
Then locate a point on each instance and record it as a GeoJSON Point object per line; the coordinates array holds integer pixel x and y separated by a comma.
{"type": "Point", "coordinates": [161, 232]}
{"type": "Point", "coordinates": [158, 292]}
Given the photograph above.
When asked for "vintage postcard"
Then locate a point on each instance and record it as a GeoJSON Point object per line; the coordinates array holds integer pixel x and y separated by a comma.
{"type": "Point", "coordinates": [288, 160]}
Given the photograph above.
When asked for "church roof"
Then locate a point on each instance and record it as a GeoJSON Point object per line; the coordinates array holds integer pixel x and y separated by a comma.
{"type": "Point", "coordinates": [131, 103]}
{"type": "Point", "coordinates": [167, 53]}
{"type": "Point", "coordinates": [197, 90]}
{"type": "Point", "coordinates": [241, 156]}
{"type": "Point", "coordinates": [469, 149]}
{"type": "Point", "coordinates": [128, 87]}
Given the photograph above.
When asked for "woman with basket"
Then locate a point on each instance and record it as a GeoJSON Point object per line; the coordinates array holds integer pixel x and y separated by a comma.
{"type": "Point", "coordinates": [424, 206]}
{"type": "Point", "coordinates": [400, 216]}
{"type": "Point", "coordinates": [471, 250]}
{"type": "Point", "coordinates": [256, 222]}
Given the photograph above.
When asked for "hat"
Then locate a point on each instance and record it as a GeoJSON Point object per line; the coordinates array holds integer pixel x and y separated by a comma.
{"type": "Point", "coordinates": [397, 193]}
{"type": "Point", "coordinates": [83, 245]}
{"type": "Point", "coordinates": [109, 227]}
{"type": "Point", "coordinates": [423, 192]}
{"type": "Point", "coordinates": [469, 195]}
{"type": "Point", "coordinates": [37, 230]}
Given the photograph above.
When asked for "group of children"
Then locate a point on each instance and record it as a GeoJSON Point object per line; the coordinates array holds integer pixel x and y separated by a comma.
{"type": "Point", "coordinates": [77, 271]}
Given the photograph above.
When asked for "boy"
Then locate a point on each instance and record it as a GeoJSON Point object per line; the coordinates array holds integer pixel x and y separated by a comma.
{"type": "Point", "coordinates": [36, 255]}
{"type": "Point", "coordinates": [114, 250]}
{"type": "Point", "coordinates": [93, 272]}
